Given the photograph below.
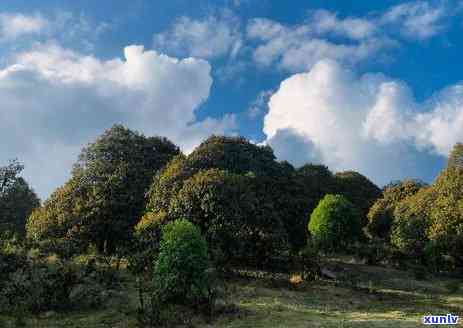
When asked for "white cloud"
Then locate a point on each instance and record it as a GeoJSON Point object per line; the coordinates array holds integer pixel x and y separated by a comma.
{"type": "Point", "coordinates": [15, 25]}
{"type": "Point", "coordinates": [55, 100]}
{"type": "Point", "coordinates": [324, 21]}
{"type": "Point", "coordinates": [417, 20]}
{"type": "Point", "coordinates": [350, 40]}
{"type": "Point", "coordinates": [211, 37]}
{"type": "Point", "coordinates": [298, 48]}
{"type": "Point", "coordinates": [369, 123]}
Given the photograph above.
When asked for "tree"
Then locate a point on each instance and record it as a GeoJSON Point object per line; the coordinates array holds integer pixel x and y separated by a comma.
{"type": "Point", "coordinates": [233, 154]}
{"type": "Point", "coordinates": [411, 223]}
{"type": "Point", "coordinates": [334, 223]}
{"type": "Point", "coordinates": [242, 161]}
{"type": "Point", "coordinates": [359, 190]}
{"type": "Point", "coordinates": [106, 195]}
{"type": "Point", "coordinates": [17, 199]}
{"type": "Point", "coordinates": [446, 213]}
{"type": "Point", "coordinates": [381, 214]}
{"type": "Point", "coordinates": [180, 271]}
{"type": "Point", "coordinates": [230, 214]}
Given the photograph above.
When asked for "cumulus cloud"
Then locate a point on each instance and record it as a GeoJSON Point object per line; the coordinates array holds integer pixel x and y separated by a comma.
{"type": "Point", "coordinates": [211, 37]}
{"type": "Point", "coordinates": [15, 25]}
{"type": "Point", "coordinates": [55, 100]}
{"type": "Point", "coordinates": [369, 123]}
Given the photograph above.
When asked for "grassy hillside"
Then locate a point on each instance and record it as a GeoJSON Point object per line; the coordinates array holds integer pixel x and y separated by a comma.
{"type": "Point", "coordinates": [376, 297]}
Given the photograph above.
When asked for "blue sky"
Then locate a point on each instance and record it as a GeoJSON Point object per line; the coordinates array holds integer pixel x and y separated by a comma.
{"type": "Point", "coordinates": [372, 86]}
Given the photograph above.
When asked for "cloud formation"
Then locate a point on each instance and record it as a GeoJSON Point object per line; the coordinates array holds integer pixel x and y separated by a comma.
{"type": "Point", "coordinates": [55, 100]}
{"type": "Point", "coordinates": [369, 123]}
{"type": "Point", "coordinates": [417, 20]}
{"type": "Point", "coordinates": [15, 25]}
{"type": "Point", "coordinates": [211, 37]}
{"type": "Point", "coordinates": [350, 40]}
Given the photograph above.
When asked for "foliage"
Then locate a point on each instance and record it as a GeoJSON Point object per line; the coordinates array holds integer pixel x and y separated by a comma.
{"type": "Point", "coordinates": [380, 215]}
{"type": "Point", "coordinates": [297, 193]}
{"type": "Point", "coordinates": [455, 159]}
{"type": "Point", "coordinates": [182, 189]}
{"type": "Point", "coordinates": [145, 244]}
{"type": "Point", "coordinates": [334, 223]}
{"type": "Point", "coordinates": [17, 199]}
{"type": "Point", "coordinates": [446, 214]}
{"type": "Point", "coordinates": [230, 215]}
{"type": "Point", "coordinates": [409, 229]}
{"type": "Point", "coordinates": [359, 190]}
{"type": "Point", "coordinates": [234, 154]}
{"type": "Point", "coordinates": [103, 200]}
{"type": "Point", "coordinates": [180, 273]}
{"type": "Point", "coordinates": [33, 285]}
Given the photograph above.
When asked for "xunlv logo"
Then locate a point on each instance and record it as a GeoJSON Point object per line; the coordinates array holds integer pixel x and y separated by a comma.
{"type": "Point", "coordinates": [448, 319]}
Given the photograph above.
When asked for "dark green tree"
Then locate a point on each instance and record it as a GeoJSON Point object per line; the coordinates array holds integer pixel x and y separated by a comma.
{"type": "Point", "coordinates": [359, 190]}
{"type": "Point", "coordinates": [230, 214]}
{"type": "Point", "coordinates": [17, 199]}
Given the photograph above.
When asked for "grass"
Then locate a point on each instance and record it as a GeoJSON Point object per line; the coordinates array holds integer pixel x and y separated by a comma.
{"type": "Point", "coordinates": [378, 297]}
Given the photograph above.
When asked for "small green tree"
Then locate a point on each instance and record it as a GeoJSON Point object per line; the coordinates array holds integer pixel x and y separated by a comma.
{"type": "Point", "coordinates": [180, 271]}
{"type": "Point", "coordinates": [334, 223]}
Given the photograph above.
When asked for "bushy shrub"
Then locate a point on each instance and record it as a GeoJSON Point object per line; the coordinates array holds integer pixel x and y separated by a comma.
{"type": "Point", "coordinates": [34, 286]}
{"type": "Point", "coordinates": [334, 223]}
{"type": "Point", "coordinates": [180, 273]}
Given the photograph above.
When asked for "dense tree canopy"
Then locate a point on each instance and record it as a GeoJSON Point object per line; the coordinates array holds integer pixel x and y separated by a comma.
{"type": "Point", "coordinates": [17, 199]}
{"type": "Point", "coordinates": [431, 221]}
{"type": "Point", "coordinates": [381, 214]}
{"type": "Point", "coordinates": [105, 196]}
{"type": "Point", "coordinates": [334, 223]}
{"type": "Point", "coordinates": [243, 187]}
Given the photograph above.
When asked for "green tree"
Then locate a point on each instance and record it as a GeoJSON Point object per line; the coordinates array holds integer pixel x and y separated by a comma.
{"type": "Point", "coordinates": [334, 223]}
{"type": "Point", "coordinates": [446, 213]}
{"type": "Point", "coordinates": [180, 271]}
{"type": "Point", "coordinates": [17, 199]}
{"type": "Point", "coordinates": [411, 223]}
{"type": "Point", "coordinates": [106, 195]}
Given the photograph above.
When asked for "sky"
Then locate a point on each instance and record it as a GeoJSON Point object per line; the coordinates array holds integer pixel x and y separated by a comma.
{"type": "Point", "coordinates": [370, 86]}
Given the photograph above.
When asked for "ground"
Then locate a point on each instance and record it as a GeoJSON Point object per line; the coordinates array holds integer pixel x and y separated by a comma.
{"type": "Point", "coordinates": [362, 296]}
